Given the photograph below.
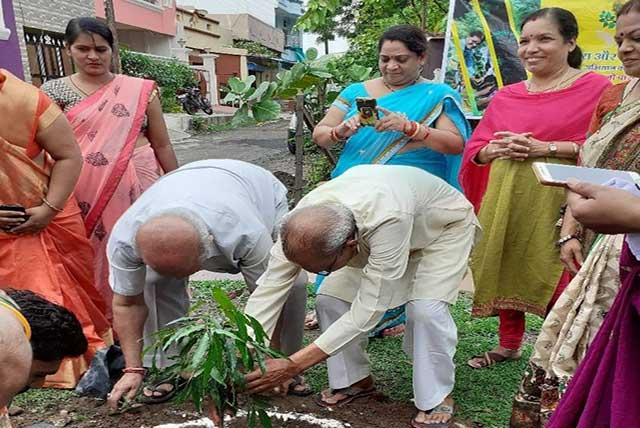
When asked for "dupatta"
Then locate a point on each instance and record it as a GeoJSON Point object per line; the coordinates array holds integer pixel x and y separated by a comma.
{"type": "Point", "coordinates": [423, 102]}
{"type": "Point", "coordinates": [562, 115]}
{"type": "Point", "coordinates": [107, 124]}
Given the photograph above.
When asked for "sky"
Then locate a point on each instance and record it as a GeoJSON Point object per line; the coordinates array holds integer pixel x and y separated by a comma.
{"type": "Point", "coordinates": [309, 41]}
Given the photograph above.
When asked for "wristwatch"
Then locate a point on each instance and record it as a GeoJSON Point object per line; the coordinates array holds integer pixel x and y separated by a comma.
{"type": "Point", "coordinates": [553, 149]}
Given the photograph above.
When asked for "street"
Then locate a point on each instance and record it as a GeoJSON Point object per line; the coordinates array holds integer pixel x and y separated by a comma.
{"type": "Point", "coordinates": [263, 145]}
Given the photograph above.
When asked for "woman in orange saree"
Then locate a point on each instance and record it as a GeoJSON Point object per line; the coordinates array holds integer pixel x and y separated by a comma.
{"type": "Point", "coordinates": [48, 253]}
{"type": "Point", "coordinates": [118, 123]}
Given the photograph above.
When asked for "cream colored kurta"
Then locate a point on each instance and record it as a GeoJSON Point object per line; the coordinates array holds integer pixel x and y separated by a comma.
{"type": "Point", "coordinates": [400, 211]}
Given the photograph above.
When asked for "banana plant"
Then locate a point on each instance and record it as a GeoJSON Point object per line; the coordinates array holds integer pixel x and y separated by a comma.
{"type": "Point", "coordinates": [216, 348]}
{"type": "Point", "coordinates": [252, 101]}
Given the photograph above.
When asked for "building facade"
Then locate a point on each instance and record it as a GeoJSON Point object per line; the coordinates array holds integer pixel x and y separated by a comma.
{"type": "Point", "coordinates": [264, 10]}
{"type": "Point", "coordinates": [287, 14]}
{"type": "Point", "coordinates": [40, 26]}
{"type": "Point", "coordinates": [147, 26]}
{"type": "Point", "coordinates": [204, 37]}
{"type": "Point", "coordinates": [11, 58]}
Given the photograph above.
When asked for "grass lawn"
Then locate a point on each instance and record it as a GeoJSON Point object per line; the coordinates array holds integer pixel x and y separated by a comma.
{"type": "Point", "coordinates": [482, 396]}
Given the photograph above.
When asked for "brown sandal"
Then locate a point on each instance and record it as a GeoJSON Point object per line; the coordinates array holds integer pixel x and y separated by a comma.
{"type": "Point", "coordinates": [490, 358]}
{"type": "Point", "coordinates": [352, 393]}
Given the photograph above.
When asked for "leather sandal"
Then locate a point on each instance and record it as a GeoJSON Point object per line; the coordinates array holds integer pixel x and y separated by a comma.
{"type": "Point", "coordinates": [491, 358]}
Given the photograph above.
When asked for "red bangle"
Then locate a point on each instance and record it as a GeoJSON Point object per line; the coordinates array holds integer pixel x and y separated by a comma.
{"type": "Point", "coordinates": [334, 135]}
{"type": "Point", "coordinates": [137, 370]}
{"type": "Point", "coordinates": [428, 132]}
{"type": "Point", "coordinates": [413, 130]}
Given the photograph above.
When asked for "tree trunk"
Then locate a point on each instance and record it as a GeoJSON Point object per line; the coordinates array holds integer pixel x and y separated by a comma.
{"type": "Point", "coordinates": [110, 15]}
{"type": "Point", "coordinates": [326, 46]}
{"type": "Point", "coordinates": [298, 183]}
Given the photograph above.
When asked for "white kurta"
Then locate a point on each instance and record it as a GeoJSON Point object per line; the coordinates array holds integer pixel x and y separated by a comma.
{"type": "Point", "coordinates": [400, 211]}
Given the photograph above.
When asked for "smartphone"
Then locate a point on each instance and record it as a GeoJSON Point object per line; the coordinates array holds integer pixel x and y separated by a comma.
{"type": "Point", "coordinates": [552, 174]}
{"type": "Point", "coordinates": [367, 109]}
{"type": "Point", "coordinates": [17, 208]}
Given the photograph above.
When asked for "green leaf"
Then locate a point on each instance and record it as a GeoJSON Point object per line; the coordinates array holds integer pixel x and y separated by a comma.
{"type": "Point", "coordinates": [249, 81]}
{"type": "Point", "coordinates": [200, 352]}
{"type": "Point", "coordinates": [187, 331]}
{"type": "Point", "coordinates": [262, 89]}
{"type": "Point", "coordinates": [321, 74]}
{"type": "Point", "coordinates": [311, 54]}
{"type": "Point", "coordinates": [229, 98]}
{"type": "Point", "coordinates": [241, 116]}
{"type": "Point", "coordinates": [265, 420]}
{"type": "Point", "coordinates": [266, 110]}
{"type": "Point", "coordinates": [236, 85]}
{"type": "Point", "coordinates": [222, 299]}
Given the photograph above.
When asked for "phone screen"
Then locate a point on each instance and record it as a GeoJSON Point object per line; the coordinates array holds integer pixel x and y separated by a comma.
{"type": "Point", "coordinates": [562, 173]}
{"type": "Point", "coordinates": [367, 110]}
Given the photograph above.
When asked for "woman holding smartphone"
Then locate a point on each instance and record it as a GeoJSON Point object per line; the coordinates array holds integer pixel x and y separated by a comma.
{"type": "Point", "coordinates": [516, 266]}
{"type": "Point", "coordinates": [416, 123]}
{"type": "Point", "coordinates": [592, 259]}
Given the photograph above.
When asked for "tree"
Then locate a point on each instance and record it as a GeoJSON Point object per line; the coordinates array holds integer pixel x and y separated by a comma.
{"type": "Point", "coordinates": [362, 22]}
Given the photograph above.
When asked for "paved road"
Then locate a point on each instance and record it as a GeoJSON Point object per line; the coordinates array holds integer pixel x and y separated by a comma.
{"type": "Point", "coordinates": [263, 145]}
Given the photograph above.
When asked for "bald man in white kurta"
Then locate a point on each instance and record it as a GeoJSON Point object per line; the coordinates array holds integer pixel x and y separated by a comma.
{"type": "Point", "coordinates": [414, 233]}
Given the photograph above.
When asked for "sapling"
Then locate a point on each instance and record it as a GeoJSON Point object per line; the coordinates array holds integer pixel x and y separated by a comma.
{"type": "Point", "coordinates": [215, 350]}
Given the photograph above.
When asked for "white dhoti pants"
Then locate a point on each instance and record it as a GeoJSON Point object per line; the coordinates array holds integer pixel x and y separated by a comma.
{"type": "Point", "coordinates": [430, 341]}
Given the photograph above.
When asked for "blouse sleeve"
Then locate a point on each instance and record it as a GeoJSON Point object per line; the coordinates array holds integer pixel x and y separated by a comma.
{"type": "Point", "coordinates": [47, 111]}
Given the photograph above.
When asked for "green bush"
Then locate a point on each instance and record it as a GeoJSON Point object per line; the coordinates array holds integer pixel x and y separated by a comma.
{"type": "Point", "coordinates": [170, 75]}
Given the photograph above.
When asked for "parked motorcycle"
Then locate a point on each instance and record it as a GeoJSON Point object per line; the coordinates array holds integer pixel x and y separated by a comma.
{"type": "Point", "coordinates": [192, 101]}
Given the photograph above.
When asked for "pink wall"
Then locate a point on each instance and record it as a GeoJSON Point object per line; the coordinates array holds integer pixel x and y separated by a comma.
{"type": "Point", "coordinates": [134, 13]}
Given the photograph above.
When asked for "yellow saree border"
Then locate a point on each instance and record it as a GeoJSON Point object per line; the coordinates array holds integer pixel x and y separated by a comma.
{"type": "Point", "coordinates": [17, 315]}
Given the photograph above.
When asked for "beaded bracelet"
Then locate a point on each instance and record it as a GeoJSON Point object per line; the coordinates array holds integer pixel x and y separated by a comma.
{"type": "Point", "coordinates": [560, 242]}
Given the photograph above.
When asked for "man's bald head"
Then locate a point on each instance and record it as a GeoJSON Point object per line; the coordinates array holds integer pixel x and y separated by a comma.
{"type": "Point", "coordinates": [15, 357]}
{"type": "Point", "coordinates": [317, 232]}
{"type": "Point", "coordinates": [173, 244]}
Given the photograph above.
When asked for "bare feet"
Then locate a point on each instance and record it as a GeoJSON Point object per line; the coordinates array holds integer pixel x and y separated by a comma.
{"type": "Point", "coordinates": [495, 356]}
{"type": "Point", "coordinates": [441, 414]}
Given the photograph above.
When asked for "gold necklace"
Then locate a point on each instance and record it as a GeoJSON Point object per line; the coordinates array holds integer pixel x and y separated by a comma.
{"type": "Point", "coordinates": [552, 87]}
{"type": "Point", "coordinates": [402, 87]}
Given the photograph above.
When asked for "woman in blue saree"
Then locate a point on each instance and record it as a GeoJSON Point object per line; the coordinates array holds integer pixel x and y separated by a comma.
{"type": "Point", "coordinates": [421, 124]}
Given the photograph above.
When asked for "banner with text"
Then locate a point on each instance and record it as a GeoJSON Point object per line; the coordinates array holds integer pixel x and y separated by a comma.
{"type": "Point", "coordinates": [481, 50]}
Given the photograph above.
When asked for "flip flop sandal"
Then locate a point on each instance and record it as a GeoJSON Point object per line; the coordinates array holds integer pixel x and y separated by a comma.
{"type": "Point", "coordinates": [177, 382]}
{"type": "Point", "coordinates": [489, 359]}
{"type": "Point", "coordinates": [352, 393]}
{"type": "Point", "coordinates": [442, 408]}
{"type": "Point", "coordinates": [299, 381]}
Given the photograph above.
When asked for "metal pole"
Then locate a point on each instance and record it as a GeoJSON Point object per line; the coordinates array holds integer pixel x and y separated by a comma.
{"type": "Point", "coordinates": [110, 15]}
{"type": "Point", "coordinates": [299, 179]}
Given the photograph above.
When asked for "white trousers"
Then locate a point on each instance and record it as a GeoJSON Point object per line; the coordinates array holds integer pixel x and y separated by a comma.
{"type": "Point", "coordinates": [430, 341]}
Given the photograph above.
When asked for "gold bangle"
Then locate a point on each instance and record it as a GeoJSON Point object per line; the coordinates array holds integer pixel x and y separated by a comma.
{"type": "Point", "coordinates": [50, 205]}
{"type": "Point", "coordinates": [18, 315]}
{"type": "Point", "coordinates": [416, 132]}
